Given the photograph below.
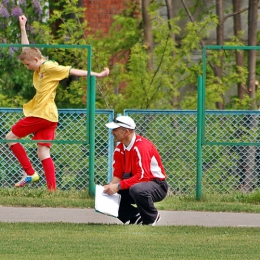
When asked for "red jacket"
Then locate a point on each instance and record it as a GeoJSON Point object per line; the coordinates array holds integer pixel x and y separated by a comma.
{"type": "Point", "coordinates": [141, 159]}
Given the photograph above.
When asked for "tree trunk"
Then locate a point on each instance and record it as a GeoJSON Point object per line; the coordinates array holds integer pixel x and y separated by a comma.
{"type": "Point", "coordinates": [243, 151]}
{"type": "Point", "coordinates": [148, 35]}
{"type": "Point", "coordinates": [252, 37]}
{"type": "Point", "coordinates": [218, 70]}
{"type": "Point", "coordinates": [169, 6]}
{"type": "Point", "coordinates": [241, 91]}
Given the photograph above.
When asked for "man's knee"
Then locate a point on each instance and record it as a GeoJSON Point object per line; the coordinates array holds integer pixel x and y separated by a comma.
{"type": "Point", "coordinates": [137, 190]}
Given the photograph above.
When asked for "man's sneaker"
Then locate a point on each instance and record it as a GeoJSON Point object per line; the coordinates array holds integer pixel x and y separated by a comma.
{"type": "Point", "coordinates": [137, 220]}
{"type": "Point", "coordinates": [27, 179]}
{"type": "Point", "coordinates": [158, 218]}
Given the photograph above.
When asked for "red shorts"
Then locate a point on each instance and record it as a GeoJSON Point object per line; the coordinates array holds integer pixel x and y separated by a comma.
{"type": "Point", "coordinates": [41, 129]}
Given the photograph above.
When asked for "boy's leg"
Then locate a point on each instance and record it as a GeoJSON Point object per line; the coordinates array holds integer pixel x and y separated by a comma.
{"type": "Point", "coordinates": [23, 159]}
{"type": "Point", "coordinates": [49, 171]}
{"type": "Point", "coordinates": [42, 129]}
{"type": "Point", "coordinates": [19, 130]}
{"type": "Point", "coordinates": [30, 175]}
{"type": "Point", "coordinates": [44, 154]}
{"type": "Point", "coordinates": [145, 194]}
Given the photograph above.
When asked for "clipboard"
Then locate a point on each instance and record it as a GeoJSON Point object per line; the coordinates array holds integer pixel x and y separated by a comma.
{"type": "Point", "coordinates": [106, 204]}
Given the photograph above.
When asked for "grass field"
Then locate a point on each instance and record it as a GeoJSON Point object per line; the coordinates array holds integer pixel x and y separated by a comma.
{"type": "Point", "coordinates": [26, 197]}
{"type": "Point", "coordinates": [88, 241]}
{"type": "Point", "coordinates": [79, 241]}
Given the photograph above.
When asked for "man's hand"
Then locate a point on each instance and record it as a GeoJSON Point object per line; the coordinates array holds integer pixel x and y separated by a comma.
{"type": "Point", "coordinates": [22, 21]}
{"type": "Point", "coordinates": [111, 188]}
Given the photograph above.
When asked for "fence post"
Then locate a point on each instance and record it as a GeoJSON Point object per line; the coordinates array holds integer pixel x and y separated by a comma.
{"type": "Point", "coordinates": [110, 151]}
{"type": "Point", "coordinates": [199, 138]}
{"type": "Point", "coordinates": [91, 130]}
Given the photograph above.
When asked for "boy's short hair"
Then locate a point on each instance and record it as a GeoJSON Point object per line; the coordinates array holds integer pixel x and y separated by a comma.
{"type": "Point", "coordinates": [29, 53]}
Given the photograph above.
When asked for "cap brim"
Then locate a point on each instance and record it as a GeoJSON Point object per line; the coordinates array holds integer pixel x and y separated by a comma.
{"type": "Point", "coordinates": [112, 125]}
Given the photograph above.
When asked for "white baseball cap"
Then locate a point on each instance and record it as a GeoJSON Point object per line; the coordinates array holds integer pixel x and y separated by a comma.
{"type": "Point", "coordinates": [123, 121]}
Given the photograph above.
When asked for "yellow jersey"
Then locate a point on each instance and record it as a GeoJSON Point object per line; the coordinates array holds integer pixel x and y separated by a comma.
{"type": "Point", "coordinates": [46, 81]}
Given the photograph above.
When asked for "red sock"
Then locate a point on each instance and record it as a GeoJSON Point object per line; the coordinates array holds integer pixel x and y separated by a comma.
{"type": "Point", "coordinates": [49, 171]}
{"type": "Point", "coordinates": [22, 157]}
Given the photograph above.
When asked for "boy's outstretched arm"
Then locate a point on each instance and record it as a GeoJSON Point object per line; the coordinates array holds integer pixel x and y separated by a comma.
{"type": "Point", "coordinates": [84, 73]}
{"type": "Point", "coordinates": [24, 38]}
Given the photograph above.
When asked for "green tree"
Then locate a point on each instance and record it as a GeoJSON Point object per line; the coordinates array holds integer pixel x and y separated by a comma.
{"type": "Point", "coordinates": [153, 72]}
{"type": "Point", "coordinates": [16, 81]}
{"type": "Point", "coordinates": [152, 87]}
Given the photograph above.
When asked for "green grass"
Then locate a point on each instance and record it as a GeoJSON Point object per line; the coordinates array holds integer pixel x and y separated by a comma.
{"type": "Point", "coordinates": [82, 241]}
{"type": "Point", "coordinates": [88, 241]}
{"type": "Point", "coordinates": [26, 197]}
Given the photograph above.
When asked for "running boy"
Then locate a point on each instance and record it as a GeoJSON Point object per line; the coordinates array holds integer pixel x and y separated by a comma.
{"type": "Point", "coordinates": [41, 114]}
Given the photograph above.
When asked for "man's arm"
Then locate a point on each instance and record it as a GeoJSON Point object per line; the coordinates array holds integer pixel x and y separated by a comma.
{"type": "Point", "coordinates": [115, 180]}
{"type": "Point", "coordinates": [24, 38]}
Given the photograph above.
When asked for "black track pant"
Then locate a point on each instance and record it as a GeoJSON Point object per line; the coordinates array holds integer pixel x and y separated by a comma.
{"type": "Point", "coordinates": [143, 194]}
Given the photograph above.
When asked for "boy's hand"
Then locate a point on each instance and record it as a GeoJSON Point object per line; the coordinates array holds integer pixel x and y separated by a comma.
{"type": "Point", "coordinates": [104, 73]}
{"type": "Point", "coordinates": [22, 21]}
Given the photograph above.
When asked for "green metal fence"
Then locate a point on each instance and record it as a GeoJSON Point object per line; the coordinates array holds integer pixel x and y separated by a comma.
{"type": "Point", "coordinates": [225, 168]}
{"type": "Point", "coordinates": [174, 134]}
{"type": "Point", "coordinates": [90, 106]}
{"type": "Point", "coordinates": [216, 150]}
{"type": "Point", "coordinates": [71, 158]}
{"type": "Point", "coordinates": [230, 140]}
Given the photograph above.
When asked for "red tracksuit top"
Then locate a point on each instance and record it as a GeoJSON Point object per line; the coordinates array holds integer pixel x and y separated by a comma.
{"type": "Point", "coordinates": [141, 159]}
